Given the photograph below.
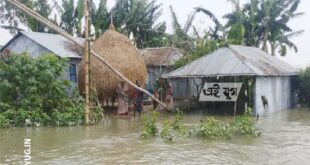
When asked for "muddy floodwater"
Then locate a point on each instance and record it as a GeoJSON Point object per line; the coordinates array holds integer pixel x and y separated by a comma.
{"type": "Point", "coordinates": [285, 140]}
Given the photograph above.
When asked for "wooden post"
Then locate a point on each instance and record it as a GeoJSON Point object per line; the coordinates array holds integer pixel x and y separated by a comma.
{"type": "Point", "coordinates": [235, 105]}
{"type": "Point", "coordinates": [87, 63]}
{"type": "Point", "coordinates": [49, 24]}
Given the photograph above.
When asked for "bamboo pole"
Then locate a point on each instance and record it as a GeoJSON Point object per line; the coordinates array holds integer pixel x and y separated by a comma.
{"type": "Point", "coordinates": [87, 57]}
{"type": "Point", "coordinates": [49, 24]}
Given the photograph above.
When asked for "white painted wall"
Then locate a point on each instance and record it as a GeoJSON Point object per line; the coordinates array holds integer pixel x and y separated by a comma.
{"type": "Point", "coordinates": [278, 92]}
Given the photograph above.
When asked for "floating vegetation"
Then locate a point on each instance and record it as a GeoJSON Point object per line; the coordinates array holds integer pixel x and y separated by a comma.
{"type": "Point", "coordinates": [210, 128]}
{"type": "Point", "coordinates": [213, 129]}
{"type": "Point", "coordinates": [245, 124]}
{"type": "Point", "coordinates": [149, 126]}
{"type": "Point", "coordinates": [173, 129]}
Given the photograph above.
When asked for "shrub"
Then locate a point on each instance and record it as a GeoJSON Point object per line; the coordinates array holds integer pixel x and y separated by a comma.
{"type": "Point", "coordinates": [304, 86]}
{"type": "Point", "coordinates": [213, 129]}
{"type": "Point", "coordinates": [34, 92]}
{"type": "Point", "coordinates": [149, 126]}
{"type": "Point", "coordinates": [174, 128]}
{"type": "Point", "coordinates": [245, 124]}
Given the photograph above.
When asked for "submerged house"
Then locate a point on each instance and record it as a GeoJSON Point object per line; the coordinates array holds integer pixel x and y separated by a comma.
{"type": "Point", "coordinates": [159, 61]}
{"type": "Point", "coordinates": [271, 77]}
{"type": "Point", "coordinates": [37, 44]}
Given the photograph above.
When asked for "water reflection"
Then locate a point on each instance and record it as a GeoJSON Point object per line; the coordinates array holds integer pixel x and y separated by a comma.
{"type": "Point", "coordinates": [286, 140]}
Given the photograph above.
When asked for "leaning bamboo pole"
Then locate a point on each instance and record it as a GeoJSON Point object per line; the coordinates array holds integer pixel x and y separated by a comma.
{"type": "Point", "coordinates": [49, 24]}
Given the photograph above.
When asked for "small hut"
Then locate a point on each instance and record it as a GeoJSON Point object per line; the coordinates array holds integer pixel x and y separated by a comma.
{"type": "Point", "coordinates": [37, 44]}
{"type": "Point", "coordinates": [271, 78]}
{"type": "Point", "coordinates": [121, 54]}
{"type": "Point", "coordinates": [159, 61]}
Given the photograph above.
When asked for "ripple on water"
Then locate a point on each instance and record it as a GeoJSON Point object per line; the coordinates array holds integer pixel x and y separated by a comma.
{"type": "Point", "coordinates": [285, 140]}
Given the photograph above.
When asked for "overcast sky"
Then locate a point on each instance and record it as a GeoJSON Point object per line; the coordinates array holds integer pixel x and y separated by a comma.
{"type": "Point", "coordinates": [220, 7]}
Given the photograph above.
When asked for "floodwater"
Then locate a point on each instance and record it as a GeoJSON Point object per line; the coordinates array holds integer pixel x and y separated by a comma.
{"type": "Point", "coordinates": [285, 140]}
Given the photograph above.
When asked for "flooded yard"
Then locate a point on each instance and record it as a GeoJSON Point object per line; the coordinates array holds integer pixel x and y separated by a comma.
{"type": "Point", "coordinates": [285, 140]}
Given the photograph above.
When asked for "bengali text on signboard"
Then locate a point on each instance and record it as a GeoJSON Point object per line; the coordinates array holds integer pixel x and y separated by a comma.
{"type": "Point", "coordinates": [220, 92]}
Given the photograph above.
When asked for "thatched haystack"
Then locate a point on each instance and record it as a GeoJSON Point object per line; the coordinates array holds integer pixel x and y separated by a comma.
{"type": "Point", "coordinates": [121, 54]}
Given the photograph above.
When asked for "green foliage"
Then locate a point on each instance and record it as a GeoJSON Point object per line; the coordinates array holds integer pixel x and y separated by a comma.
{"type": "Point", "coordinates": [166, 132]}
{"type": "Point", "coordinates": [34, 92]}
{"type": "Point", "coordinates": [210, 128]}
{"type": "Point", "coordinates": [68, 21]}
{"type": "Point", "coordinates": [245, 124]}
{"type": "Point", "coordinates": [4, 122]}
{"type": "Point", "coordinates": [149, 126]}
{"type": "Point", "coordinates": [203, 47]}
{"type": "Point", "coordinates": [213, 129]}
{"type": "Point", "coordinates": [236, 34]}
{"type": "Point", "coordinates": [304, 86]}
{"type": "Point", "coordinates": [264, 22]}
{"type": "Point", "coordinates": [175, 128]}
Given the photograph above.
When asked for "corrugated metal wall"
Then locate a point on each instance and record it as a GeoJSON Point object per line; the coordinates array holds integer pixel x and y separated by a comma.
{"type": "Point", "coordinates": [278, 92]}
{"type": "Point", "coordinates": [24, 44]}
{"type": "Point", "coordinates": [154, 72]}
{"type": "Point", "coordinates": [183, 88]}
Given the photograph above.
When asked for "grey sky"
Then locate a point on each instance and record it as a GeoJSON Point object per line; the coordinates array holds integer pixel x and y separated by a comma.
{"type": "Point", "coordinates": [220, 7]}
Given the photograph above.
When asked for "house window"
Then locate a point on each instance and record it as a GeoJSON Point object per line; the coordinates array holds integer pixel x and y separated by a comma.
{"type": "Point", "coordinates": [73, 74]}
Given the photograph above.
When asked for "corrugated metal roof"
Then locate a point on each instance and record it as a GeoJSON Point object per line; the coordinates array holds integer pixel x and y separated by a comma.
{"type": "Point", "coordinates": [55, 43]}
{"type": "Point", "coordinates": [162, 56]}
{"type": "Point", "coordinates": [235, 61]}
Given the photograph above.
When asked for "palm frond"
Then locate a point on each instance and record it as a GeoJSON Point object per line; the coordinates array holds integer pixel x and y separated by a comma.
{"type": "Point", "coordinates": [210, 14]}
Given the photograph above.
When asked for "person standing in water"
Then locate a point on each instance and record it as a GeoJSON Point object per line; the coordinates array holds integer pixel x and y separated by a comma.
{"type": "Point", "coordinates": [168, 95]}
{"type": "Point", "coordinates": [155, 104]}
{"type": "Point", "coordinates": [138, 100]}
{"type": "Point", "coordinates": [122, 98]}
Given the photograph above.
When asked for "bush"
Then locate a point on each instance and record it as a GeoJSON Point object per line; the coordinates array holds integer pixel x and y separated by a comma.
{"type": "Point", "coordinates": [175, 128]}
{"type": "Point", "coordinates": [210, 128]}
{"type": "Point", "coordinates": [34, 92]}
{"type": "Point", "coordinates": [304, 86]}
{"type": "Point", "coordinates": [149, 126]}
{"type": "Point", "coordinates": [245, 124]}
{"type": "Point", "coordinates": [213, 129]}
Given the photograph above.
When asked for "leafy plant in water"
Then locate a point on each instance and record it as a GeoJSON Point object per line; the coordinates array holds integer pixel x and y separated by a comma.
{"type": "Point", "coordinates": [245, 124]}
{"type": "Point", "coordinates": [149, 125]}
{"type": "Point", "coordinates": [213, 129]}
{"type": "Point", "coordinates": [175, 128]}
{"type": "Point", "coordinates": [166, 132]}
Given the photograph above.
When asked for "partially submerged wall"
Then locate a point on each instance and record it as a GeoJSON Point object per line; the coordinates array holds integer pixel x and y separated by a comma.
{"type": "Point", "coordinates": [277, 91]}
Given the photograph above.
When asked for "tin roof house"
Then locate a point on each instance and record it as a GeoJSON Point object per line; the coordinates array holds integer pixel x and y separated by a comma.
{"type": "Point", "coordinates": [36, 44]}
{"type": "Point", "coordinates": [271, 77]}
{"type": "Point", "coordinates": [159, 61]}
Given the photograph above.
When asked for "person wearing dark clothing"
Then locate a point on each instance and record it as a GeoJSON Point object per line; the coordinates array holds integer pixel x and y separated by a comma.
{"type": "Point", "coordinates": [138, 100]}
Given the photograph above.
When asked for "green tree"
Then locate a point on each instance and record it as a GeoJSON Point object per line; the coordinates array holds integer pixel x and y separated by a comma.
{"type": "Point", "coordinates": [101, 18]}
{"type": "Point", "coordinates": [34, 89]}
{"type": "Point", "coordinates": [195, 46]}
{"type": "Point", "coordinates": [137, 18]}
{"type": "Point", "coordinates": [266, 23]}
{"type": "Point", "coordinates": [67, 21]}
{"type": "Point", "coordinates": [43, 8]}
